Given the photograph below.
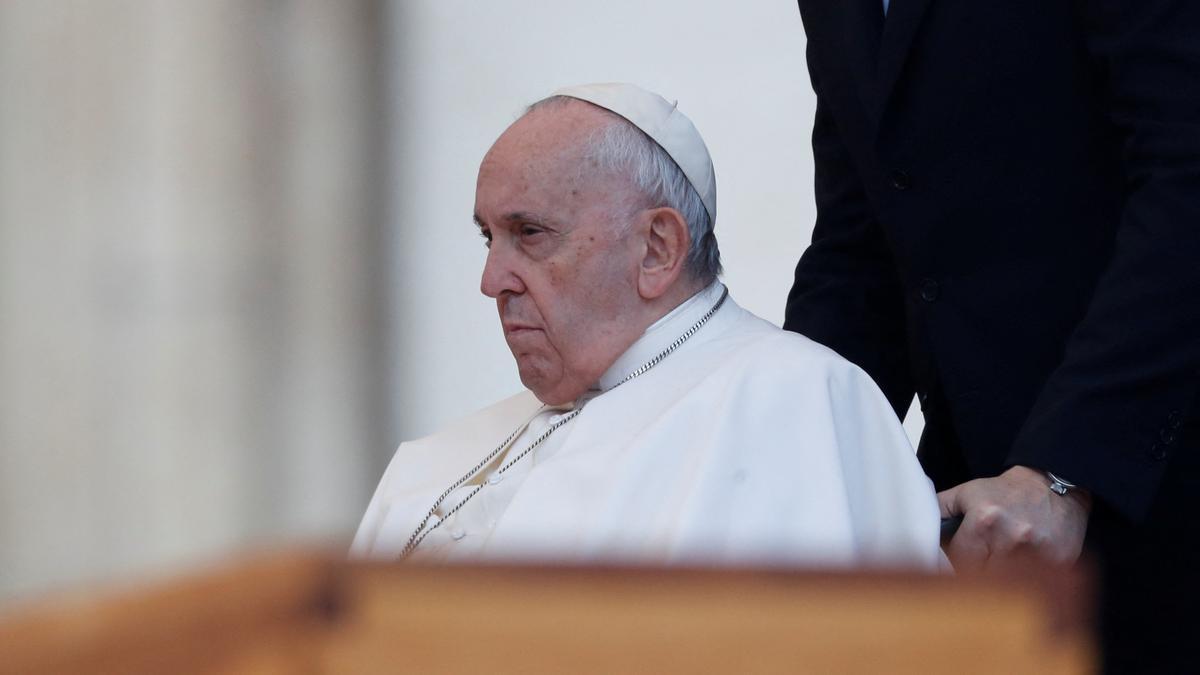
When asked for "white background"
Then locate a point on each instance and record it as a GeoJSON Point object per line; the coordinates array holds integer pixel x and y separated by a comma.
{"type": "Point", "coordinates": [466, 71]}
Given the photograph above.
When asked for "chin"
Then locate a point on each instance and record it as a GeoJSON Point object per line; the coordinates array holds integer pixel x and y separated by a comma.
{"type": "Point", "coordinates": [545, 379]}
{"type": "Point", "coordinates": [545, 392]}
{"type": "Point", "coordinates": [550, 400]}
{"type": "Point", "coordinates": [555, 395]}
{"type": "Point", "coordinates": [535, 380]}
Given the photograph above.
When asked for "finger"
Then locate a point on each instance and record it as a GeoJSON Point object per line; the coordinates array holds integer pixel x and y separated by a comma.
{"type": "Point", "coordinates": [948, 502]}
{"type": "Point", "coordinates": [967, 553]}
{"type": "Point", "coordinates": [970, 548]}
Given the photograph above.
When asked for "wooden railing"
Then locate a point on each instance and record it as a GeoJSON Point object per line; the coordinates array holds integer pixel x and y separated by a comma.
{"type": "Point", "coordinates": [311, 614]}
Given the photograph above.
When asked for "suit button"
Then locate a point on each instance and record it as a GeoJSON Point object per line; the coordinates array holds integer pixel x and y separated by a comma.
{"type": "Point", "coordinates": [930, 290]}
{"type": "Point", "coordinates": [1158, 452]}
{"type": "Point", "coordinates": [901, 180]}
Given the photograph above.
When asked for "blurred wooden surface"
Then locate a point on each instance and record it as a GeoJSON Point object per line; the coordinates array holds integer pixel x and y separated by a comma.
{"type": "Point", "coordinates": [308, 614]}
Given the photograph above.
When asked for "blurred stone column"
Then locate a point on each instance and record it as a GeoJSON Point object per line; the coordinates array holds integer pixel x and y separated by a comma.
{"type": "Point", "coordinates": [191, 255]}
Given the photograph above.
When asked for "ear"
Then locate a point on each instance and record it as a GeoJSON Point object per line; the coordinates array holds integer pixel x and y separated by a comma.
{"type": "Point", "coordinates": [667, 243]}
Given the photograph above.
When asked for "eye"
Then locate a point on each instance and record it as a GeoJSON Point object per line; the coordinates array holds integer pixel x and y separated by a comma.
{"type": "Point", "coordinates": [528, 230]}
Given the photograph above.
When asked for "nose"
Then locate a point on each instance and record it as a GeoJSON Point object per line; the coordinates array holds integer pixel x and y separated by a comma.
{"type": "Point", "coordinates": [500, 274]}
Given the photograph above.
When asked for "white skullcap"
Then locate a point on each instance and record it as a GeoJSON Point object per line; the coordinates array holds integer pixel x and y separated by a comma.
{"type": "Point", "coordinates": [661, 121]}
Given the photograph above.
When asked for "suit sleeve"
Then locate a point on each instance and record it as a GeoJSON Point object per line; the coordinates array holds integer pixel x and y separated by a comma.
{"type": "Point", "coordinates": [1109, 415]}
{"type": "Point", "coordinates": [846, 294]}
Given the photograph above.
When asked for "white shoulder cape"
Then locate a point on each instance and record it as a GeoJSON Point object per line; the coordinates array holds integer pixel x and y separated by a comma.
{"type": "Point", "coordinates": [749, 445]}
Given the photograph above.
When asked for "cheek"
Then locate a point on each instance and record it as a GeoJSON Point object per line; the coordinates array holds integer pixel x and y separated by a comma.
{"type": "Point", "coordinates": [582, 301]}
{"type": "Point", "coordinates": [558, 275]}
{"type": "Point", "coordinates": [586, 317]}
{"type": "Point", "coordinates": [560, 300]}
{"type": "Point", "coordinates": [605, 289]}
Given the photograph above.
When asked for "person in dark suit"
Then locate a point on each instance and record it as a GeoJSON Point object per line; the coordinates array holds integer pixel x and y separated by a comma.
{"type": "Point", "coordinates": [1008, 226]}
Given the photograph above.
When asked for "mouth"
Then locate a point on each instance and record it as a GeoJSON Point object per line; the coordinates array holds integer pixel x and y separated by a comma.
{"type": "Point", "coordinates": [510, 326]}
{"type": "Point", "coordinates": [513, 328]}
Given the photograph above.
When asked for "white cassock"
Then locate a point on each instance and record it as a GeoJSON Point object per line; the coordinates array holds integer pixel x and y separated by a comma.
{"type": "Point", "coordinates": [748, 445]}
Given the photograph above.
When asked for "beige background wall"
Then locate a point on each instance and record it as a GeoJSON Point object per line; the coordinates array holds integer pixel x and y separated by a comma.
{"type": "Point", "coordinates": [190, 348]}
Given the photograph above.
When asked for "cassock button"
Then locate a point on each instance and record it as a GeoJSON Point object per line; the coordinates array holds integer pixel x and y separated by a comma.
{"type": "Point", "coordinates": [930, 290]}
{"type": "Point", "coordinates": [1167, 436]}
{"type": "Point", "coordinates": [457, 533]}
{"type": "Point", "coordinates": [901, 180]}
{"type": "Point", "coordinates": [1158, 453]}
{"type": "Point", "coordinates": [495, 478]}
{"type": "Point", "coordinates": [1174, 419]}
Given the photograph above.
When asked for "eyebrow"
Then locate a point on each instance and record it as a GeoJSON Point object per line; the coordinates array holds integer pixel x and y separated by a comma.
{"type": "Point", "coordinates": [516, 217]}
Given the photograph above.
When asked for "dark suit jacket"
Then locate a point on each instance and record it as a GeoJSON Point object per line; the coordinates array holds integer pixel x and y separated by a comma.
{"type": "Point", "coordinates": [1008, 225]}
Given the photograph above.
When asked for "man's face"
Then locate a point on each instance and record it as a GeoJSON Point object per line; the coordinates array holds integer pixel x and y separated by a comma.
{"type": "Point", "coordinates": [560, 264]}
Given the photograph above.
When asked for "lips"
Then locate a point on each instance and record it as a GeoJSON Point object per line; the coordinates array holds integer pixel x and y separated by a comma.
{"type": "Point", "coordinates": [513, 323]}
{"type": "Point", "coordinates": [512, 328]}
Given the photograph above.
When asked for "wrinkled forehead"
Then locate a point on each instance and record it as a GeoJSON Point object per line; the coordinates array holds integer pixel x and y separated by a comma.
{"type": "Point", "coordinates": [559, 134]}
{"type": "Point", "coordinates": [546, 156]}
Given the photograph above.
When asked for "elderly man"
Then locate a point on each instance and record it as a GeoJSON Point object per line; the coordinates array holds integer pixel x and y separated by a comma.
{"type": "Point", "coordinates": [663, 423]}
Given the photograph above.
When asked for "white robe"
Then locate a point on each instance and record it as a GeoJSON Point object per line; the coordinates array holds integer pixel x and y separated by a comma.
{"type": "Point", "coordinates": [748, 445]}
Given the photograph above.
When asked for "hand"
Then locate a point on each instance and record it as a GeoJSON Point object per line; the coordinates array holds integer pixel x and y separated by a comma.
{"type": "Point", "coordinates": [1013, 518]}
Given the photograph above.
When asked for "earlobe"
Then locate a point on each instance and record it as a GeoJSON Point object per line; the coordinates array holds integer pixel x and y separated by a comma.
{"type": "Point", "coordinates": [667, 241]}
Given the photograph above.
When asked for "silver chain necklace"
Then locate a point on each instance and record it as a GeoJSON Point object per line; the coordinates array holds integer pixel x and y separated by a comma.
{"type": "Point", "coordinates": [422, 530]}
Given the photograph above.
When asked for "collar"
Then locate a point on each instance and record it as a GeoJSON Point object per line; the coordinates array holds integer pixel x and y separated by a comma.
{"type": "Point", "coordinates": [657, 337]}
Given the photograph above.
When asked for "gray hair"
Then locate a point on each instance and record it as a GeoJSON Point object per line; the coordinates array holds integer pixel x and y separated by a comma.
{"type": "Point", "coordinates": [623, 147]}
